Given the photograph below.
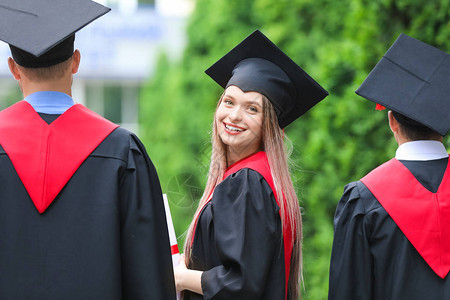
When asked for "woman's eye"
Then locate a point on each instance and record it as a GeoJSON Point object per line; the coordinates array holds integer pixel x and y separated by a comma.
{"type": "Point", "coordinates": [228, 102]}
{"type": "Point", "coordinates": [253, 109]}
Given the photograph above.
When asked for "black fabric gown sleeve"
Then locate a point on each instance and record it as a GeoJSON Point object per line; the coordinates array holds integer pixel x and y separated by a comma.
{"type": "Point", "coordinates": [247, 237]}
{"type": "Point", "coordinates": [351, 268]}
{"type": "Point", "coordinates": [146, 260]}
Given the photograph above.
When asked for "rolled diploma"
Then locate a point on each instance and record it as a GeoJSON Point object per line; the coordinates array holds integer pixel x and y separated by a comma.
{"type": "Point", "coordinates": [172, 237]}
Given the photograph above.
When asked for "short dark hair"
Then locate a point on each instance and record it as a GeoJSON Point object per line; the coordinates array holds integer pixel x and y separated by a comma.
{"type": "Point", "coordinates": [414, 130]}
{"type": "Point", "coordinates": [47, 73]}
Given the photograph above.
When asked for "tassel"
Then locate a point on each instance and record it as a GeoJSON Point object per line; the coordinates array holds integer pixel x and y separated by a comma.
{"type": "Point", "coordinates": [380, 107]}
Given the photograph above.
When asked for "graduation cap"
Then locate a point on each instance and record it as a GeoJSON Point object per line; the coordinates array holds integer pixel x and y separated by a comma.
{"type": "Point", "coordinates": [413, 79]}
{"type": "Point", "coordinates": [41, 32]}
{"type": "Point", "coordinates": [258, 65]}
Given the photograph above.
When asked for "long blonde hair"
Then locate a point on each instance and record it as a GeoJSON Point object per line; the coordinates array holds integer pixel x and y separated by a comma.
{"type": "Point", "coordinates": [277, 156]}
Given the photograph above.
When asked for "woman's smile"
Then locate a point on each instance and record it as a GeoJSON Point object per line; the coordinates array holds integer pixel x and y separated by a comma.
{"type": "Point", "coordinates": [233, 129]}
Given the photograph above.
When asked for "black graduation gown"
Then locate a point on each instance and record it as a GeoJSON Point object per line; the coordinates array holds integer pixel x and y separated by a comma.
{"type": "Point", "coordinates": [103, 237]}
{"type": "Point", "coordinates": [238, 242]}
{"type": "Point", "coordinates": [371, 257]}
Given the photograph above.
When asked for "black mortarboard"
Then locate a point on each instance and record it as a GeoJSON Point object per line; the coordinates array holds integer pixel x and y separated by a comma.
{"type": "Point", "coordinates": [258, 65]}
{"type": "Point", "coordinates": [41, 32]}
{"type": "Point", "coordinates": [413, 79]}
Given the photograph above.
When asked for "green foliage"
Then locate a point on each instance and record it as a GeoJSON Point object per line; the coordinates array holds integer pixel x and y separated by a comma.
{"type": "Point", "coordinates": [338, 141]}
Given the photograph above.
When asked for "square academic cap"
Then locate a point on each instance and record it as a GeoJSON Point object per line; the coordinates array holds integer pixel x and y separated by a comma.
{"type": "Point", "coordinates": [258, 65]}
{"type": "Point", "coordinates": [36, 26]}
{"type": "Point", "coordinates": [412, 78]}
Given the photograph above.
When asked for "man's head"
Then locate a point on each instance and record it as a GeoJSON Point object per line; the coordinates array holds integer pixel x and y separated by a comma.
{"type": "Point", "coordinates": [406, 129]}
{"type": "Point", "coordinates": [43, 74]}
{"type": "Point", "coordinates": [56, 77]}
{"type": "Point", "coordinates": [55, 64]}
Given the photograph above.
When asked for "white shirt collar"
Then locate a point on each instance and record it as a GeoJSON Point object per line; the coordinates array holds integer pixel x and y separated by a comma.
{"type": "Point", "coordinates": [421, 150]}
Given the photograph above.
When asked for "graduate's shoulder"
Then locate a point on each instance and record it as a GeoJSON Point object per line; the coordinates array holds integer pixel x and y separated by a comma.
{"type": "Point", "coordinates": [358, 198]}
{"type": "Point", "coordinates": [118, 144]}
{"type": "Point", "coordinates": [246, 177]}
{"type": "Point", "coordinates": [249, 184]}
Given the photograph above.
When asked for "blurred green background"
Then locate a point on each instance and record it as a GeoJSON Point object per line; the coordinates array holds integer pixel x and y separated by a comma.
{"type": "Point", "coordinates": [337, 42]}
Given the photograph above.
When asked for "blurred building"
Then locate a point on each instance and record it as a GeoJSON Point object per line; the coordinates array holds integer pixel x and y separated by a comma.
{"type": "Point", "coordinates": [119, 53]}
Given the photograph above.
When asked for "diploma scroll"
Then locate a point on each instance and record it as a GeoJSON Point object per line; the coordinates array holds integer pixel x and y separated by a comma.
{"type": "Point", "coordinates": [172, 237]}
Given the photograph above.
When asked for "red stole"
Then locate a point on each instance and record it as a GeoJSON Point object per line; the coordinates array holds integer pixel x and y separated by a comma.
{"type": "Point", "coordinates": [259, 163]}
{"type": "Point", "coordinates": [46, 156]}
{"type": "Point", "coordinates": [423, 216]}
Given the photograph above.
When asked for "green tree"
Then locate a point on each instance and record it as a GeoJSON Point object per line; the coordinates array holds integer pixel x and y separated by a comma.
{"type": "Point", "coordinates": [338, 141]}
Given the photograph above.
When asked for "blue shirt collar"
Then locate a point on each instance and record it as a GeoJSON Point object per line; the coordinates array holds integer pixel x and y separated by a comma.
{"type": "Point", "coordinates": [50, 102]}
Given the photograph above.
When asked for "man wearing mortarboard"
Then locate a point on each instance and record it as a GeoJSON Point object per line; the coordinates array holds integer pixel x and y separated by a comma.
{"type": "Point", "coordinates": [392, 228]}
{"type": "Point", "coordinates": [82, 214]}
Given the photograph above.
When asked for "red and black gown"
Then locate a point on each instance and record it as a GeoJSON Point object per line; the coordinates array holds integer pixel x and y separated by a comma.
{"type": "Point", "coordinates": [392, 234]}
{"type": "Point", "coordinates": [238, 240]}
{"type": "Point", "coordinates": [82, 211]}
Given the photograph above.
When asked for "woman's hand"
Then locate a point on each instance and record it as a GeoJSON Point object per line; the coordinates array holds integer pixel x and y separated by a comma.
{"type": "Point", "coordinates": [179, 273]}
{"type": "Point", "coordinates": [186, 279]}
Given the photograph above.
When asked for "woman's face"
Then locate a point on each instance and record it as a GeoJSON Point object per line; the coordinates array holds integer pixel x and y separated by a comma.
{"type": "Point", "coordinates": [239, 120]}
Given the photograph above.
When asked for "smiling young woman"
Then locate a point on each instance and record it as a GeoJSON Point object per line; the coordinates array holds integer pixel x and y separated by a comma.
{"type": "Point", "coordinates": [245, 238]}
